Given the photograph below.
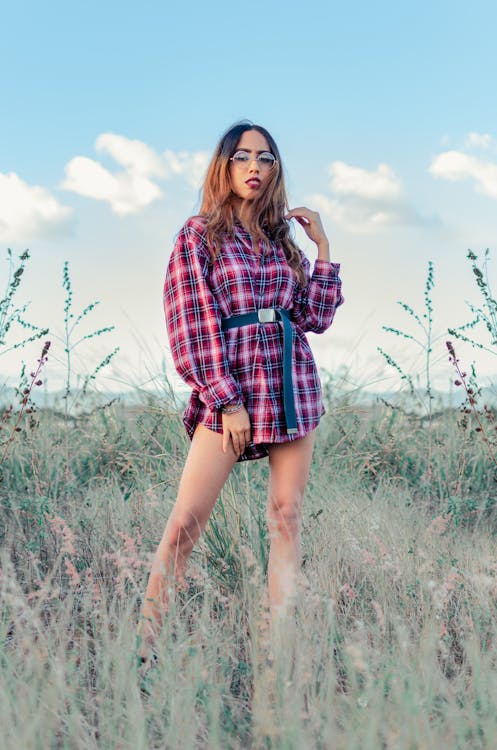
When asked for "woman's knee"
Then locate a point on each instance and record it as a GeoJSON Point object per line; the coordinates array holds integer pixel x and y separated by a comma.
{"type": "Point", "coordinates": [182, 531]}
{"type": "Point", "coordinates": [284, 513]}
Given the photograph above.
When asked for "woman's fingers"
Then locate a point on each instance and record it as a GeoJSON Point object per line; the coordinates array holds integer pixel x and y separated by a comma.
{"type": "Point", "coordinates": [302, 212]}
{"type": "Point", "coordinates": [238, 443]}
{"type": "Point", "coordinates": [236, 427]}
{"type": "Point", "coordinates": [226, 439]}
{"type": "Point", "coordinates": [310, 221]}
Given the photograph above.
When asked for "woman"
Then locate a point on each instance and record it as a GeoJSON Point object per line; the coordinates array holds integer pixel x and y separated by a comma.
{"type": "Point", "coordinates": [238, 298]}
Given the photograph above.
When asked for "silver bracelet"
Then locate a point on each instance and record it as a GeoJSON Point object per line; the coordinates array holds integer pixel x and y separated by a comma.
{"type": "Point", "coordinates": [232, 409]}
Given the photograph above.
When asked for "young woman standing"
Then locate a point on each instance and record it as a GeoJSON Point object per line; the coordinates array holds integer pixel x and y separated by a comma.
{"type": "Point", "coordinates": [239, 296]}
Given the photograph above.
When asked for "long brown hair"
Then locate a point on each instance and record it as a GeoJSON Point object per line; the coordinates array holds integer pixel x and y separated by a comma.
{"type": "Point", "coordinates": [267, 217]}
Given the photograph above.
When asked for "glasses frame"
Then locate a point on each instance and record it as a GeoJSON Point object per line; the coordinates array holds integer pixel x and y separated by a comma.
{"type": "Point", "coordinates": [245, 163]}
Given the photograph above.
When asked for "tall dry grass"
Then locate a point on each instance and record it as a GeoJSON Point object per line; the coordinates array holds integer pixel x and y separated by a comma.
{"type": "Point", "coordinates": [393, 643]}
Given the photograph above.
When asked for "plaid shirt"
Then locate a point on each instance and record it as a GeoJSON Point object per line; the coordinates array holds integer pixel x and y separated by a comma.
{"type": "Point", "coordinates": [245, 364]}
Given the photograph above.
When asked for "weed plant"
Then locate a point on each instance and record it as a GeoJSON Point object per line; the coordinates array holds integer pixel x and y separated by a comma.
{"type": "Point", "coordinates": [13, 316]}
{"type": "Point", "coordinates": [485, 314]}
{"type": "Point", "coordinates": [71, 342]}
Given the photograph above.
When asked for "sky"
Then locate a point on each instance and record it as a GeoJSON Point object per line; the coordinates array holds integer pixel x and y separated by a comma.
{"type": "Point", "coordinates": [386, 118]}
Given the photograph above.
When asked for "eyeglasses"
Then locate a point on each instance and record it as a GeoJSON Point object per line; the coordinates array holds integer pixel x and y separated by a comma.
{"type": "Point", "coordinates": [266, 160]}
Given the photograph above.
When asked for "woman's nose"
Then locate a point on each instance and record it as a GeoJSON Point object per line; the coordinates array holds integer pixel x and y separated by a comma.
{"type": "Point", "coordinates": [253, 165]}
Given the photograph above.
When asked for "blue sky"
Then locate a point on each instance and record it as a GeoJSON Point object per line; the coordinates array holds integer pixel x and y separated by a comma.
{"type": "Point", "coordinates": [385, 115]}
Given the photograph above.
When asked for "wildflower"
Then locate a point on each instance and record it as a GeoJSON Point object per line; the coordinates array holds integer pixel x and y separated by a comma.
{"type": "Point", "coordinates": [368, 558]}
{"type": "Point", "coordinates": [381, 546]}
{"type": "Point", "coordinates": [63, 531]}
{"type": "Point", "coordinates": [453, 579]}
{"type": "Point", "coordinates": [127, 561]}
{"type": "Point", "coordinates": [354, 651]}
{"type": "Point", "coordinates": [439, 525]}
{"type": "Point", "coordinates": [348, 591]}
{"type": "Point", "coordinates": [379, 614]}
{"type": "Point", "coordinates": [72, 572]}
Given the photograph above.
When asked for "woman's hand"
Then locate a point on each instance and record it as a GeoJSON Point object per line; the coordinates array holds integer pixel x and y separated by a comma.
{"type": "Point", "coordinates": [237, 428]}
{"type": "Point", "coordinates": [313, 227]}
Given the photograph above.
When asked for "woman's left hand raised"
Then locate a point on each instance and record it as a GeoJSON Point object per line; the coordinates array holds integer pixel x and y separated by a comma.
{"type": "Point", "coordinates": [312, 225]}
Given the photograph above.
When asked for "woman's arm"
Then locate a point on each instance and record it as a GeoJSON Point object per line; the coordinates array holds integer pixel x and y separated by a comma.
{"type": "Point", "coordinates": [315, 305]}
{"type": "Point", "coordinates": [194, 325]}
{"type": "Point", "coordinates": [197, 341]}
{"type": "Point", "coordinates": [313, 227]}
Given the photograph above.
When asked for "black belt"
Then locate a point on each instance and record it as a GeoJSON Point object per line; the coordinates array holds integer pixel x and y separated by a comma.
{"type": "Point", "coordinates": [273, 315]}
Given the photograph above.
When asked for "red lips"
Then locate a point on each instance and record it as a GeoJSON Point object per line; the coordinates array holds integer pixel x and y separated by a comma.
{"type": "Point", "coordinates": [253, 182]}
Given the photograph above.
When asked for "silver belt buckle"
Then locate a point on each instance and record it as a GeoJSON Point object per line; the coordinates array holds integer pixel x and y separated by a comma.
{"type": "Point", "coordinates": [266, 315]}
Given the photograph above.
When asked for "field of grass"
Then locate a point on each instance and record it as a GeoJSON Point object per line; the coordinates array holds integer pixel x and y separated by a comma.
{"type": "Point", "coordinates": [393, 643]}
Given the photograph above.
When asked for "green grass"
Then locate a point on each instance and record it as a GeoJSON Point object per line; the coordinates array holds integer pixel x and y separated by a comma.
{"type": "Point", "coordinates": [393, 642]}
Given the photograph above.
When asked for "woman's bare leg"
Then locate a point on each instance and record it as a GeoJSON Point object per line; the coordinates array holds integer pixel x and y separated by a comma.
{"type": "Point", "coordinates": [206, 470]}
{"type": "Point", "coordinates": [289, 471]}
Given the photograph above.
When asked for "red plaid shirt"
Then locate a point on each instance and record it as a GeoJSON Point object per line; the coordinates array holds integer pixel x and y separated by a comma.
{"type": "Point", "coordinates": [245, 364]}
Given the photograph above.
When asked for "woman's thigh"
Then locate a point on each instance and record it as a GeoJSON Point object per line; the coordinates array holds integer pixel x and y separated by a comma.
{"type": "Point", "coordinates": [205, 472]}
{"type": "Point", "coordinates": [290, 464]}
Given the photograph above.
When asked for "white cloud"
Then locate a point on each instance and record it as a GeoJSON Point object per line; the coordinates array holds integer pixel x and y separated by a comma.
{"type": "Point", "coordinates": [355, 181]}
{"type": "Point", "coordinates": [457, 166]}
{"type": "Point", "coordinates": [135, 156]}
{"type": "Point", "coordinates": [192, 166]}
{"type": "Point", "coordinates": [364, 201]}
{"type": "Point", "coordinates": [127, 192]}
{"type": "Point", "coordinates": [480, 140]}
{"type": "Point", "coordinates": [136, 186]}
{"type": "Point", "coordinates": [29, 212]}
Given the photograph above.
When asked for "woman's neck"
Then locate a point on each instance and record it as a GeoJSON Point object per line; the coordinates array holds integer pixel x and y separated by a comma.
{"type": "Point", "coordinates": [243, 212]}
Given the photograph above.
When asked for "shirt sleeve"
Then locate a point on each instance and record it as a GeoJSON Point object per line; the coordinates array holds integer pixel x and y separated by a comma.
{"type": "Point", "coordinates": [193, 323]}
{"type": "Point", "coordinates": [314, 305]}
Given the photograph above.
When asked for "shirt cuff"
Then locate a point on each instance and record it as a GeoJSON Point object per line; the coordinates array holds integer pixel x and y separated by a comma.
{"type": "Point", "coordinates": [325, 269]}
{"type": "Point", "coordinates": [224, 391]}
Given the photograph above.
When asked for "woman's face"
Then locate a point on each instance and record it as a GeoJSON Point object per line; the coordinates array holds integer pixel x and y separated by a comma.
{"type": "Point", "coordinates": [249, 180]}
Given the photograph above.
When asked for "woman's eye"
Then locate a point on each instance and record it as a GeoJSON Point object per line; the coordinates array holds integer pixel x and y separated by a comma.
{"type": "Point", "coordinates": [266, 158]}
{"type": "Point", "coordinates": [241, 156]}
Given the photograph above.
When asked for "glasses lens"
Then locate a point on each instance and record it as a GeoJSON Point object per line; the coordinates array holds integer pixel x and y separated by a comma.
{"type": "Point", "coordinates": [266, 159]}
{"type": "Point", "coordinates": [241, 157]}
